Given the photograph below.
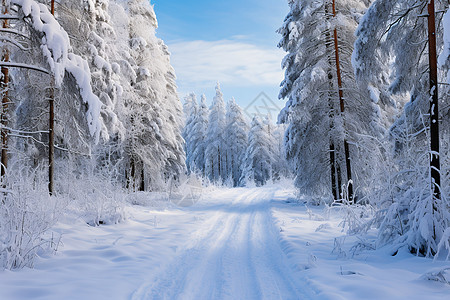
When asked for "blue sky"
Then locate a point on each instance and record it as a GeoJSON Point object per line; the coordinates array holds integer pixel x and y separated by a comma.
{"type": "Point", "coordinates": [232, 41]}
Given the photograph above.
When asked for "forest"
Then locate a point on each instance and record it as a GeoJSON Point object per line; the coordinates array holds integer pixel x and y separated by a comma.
{"type": "Point", "coordinates": [380, 84]}
{"type": "Point", "coordinates": [92, 121]}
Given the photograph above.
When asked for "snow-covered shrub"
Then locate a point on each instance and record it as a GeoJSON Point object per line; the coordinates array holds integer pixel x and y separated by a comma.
{"type": "Point", "coordinates": [356, 218]}
{"type": "Point", "coordinates": [149, 199]}
{"type": "Point", "coordinates": [27, 213]}
{"type": "Point", "coordinates": [338, 247]}
{"type": "Point", "coordinates": [98, 202]}
{"type": "Point", "coordinates": [413, 218]}
{"type": "Point", "coordinates": [440, 275]}
{"type": "Point", "coordinates": [91, 194]}
{"type": "Point", "coordinates": [362, 245]}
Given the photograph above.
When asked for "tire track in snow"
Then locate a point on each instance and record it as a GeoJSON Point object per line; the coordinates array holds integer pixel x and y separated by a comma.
{"type": "Point", "coordinates": [177, 279]}
{"type": "Point", "coordinates": [238, 265]}
{"type": "Point", "coordinates": [235, 254]}
{"type": "Point", "coordinates": [272, 268]}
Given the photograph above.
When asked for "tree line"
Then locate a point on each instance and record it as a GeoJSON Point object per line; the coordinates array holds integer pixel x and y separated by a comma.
{"type": "Point", "coordinates": [223, 148]}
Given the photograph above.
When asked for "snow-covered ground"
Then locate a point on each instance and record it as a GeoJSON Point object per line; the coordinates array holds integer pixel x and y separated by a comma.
{"type": "Point", "coordinates": [245, 243]}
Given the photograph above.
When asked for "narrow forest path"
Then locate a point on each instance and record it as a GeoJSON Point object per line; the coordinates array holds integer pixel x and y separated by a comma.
{"type": "Point", "coordinates": [234, 254]}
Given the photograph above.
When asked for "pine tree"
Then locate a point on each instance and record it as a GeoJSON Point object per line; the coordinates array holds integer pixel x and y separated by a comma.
{"type": "Point", "coordinates": [258, 157]}
{"type": "Point", "coordinates": [198, 137]}
{"type": "Point", "coordinates": [314, 93]}
{"type": "Point", "coordinates": [215, 148]}
{"type": "Point", "coordinates": [69, 87]}
{"type": "Point", "coordinates": [236, 141]}
{"type": "Point", "coordinates": [280, 168]}
{"type": "Point", "coordinates": [190, 109]}
{"type": "Point", "coordinates": [154, 145]}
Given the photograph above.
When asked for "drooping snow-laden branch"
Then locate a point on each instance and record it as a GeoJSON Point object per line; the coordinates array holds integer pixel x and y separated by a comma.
{"type": "Point", "coordinates": [13, 31]}
{"type": "Point", "coordinates": [55, 46]}
{"type": "Point", "coordinates": [13, 42]}
{"type": "Point", "coordinates": [23, 66]}
{"type": "Point", "coordinates": [8, 17]}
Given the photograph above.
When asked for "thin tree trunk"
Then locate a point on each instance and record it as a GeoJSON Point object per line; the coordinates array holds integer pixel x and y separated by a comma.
{"type": "Point", "coordinates": [339, 180]}
{"type": "Point", "coordinates": [51, 138]}
{"type": "Point", "coordinates": [342, 106]}
{"type": "Point", "coordinates": [225, 175]}
{"type": "Point", "coordinates": [142, 182]}
{"type": "Point", "coordinates": [132, 179]}
{"type": "Point", "coordinates": [51, 128]}
{"type": "Point", "coordinates": [218, 161]}
{"type": "Point", "coordinates": [331, 113]}
{"type": "Point", "coordinates": [5, 99]}
{"type": "Point", "coordinates": [434, 112]}
{"type": "Point", "coordinates": [333, 171]}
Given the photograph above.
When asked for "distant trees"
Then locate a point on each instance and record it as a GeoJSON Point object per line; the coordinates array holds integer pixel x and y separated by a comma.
{"type": "Point", "coordinates": [222, 148]}
{"type": "Point", "coordinates": [259, 155]}
{"type": "Point", "coordinates": [190, 109]}
{"type": "Point", "coordinates": [198, 138]}
{"type": "Point", "coordinates": [236, 132]}
{"type": "Point", "coordinates": [215, 151]}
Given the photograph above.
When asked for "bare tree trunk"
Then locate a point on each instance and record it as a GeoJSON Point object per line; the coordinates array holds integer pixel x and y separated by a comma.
{"type": "Point", "coordinates": [226, 166]}
{"type": "Point", "coordinates": [339, 181]}
{"type": "Point", "coordinates": [51, 137]}
{"type": "Point", "coordinates": [142, 181]}
{"type": "Point", "coordinates": [51, 128]}
{"type": "Point", "coordinates": [331, 113]}
{"type": "Point", "coordinates": [5, 98]}
{"type": "Point", "coordinates": [342, 106]}
{"type": "Point", "coordinates": [434, 112]}
{"type": "Point", "coordinates": [219, 162]}
{"type": "Point", "coordinates": [132, 178]}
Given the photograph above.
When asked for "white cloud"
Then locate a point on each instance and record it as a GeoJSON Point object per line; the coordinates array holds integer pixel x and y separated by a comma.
{"type": "Point", "coordinates": [234, 62]}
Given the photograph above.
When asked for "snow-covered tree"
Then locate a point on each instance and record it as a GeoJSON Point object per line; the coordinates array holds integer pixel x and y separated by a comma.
{"type": "Point", "coordinates": [399, 29]}
{"type": "Point", "coordinates": [198, 137]}
{"type": "Point", "coordinates": [77, 108]}
{"type": "Point", "coordinates": [280, 168]}
{"type": "Point", "coordinates": [190, 108]}
{"type": "Point", "coordinates": [318, 126]}
{"type": "Point", "coordinates": [96, 38]}
{"type": "Point", "coordinates": [132, 76]}
{"type": "Point", "coordinates": [152, 111]}
{"type": "Point", "coordinates": [236, 132]}
{"type": "Point", "coordinates": [258, 159]}
{"type": "Point", "coordinates": [215, 147]}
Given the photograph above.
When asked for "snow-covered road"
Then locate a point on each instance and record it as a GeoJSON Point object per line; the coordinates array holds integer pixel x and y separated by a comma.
{"type": "Point", "coordinates": [234, 254]}
{"type": "Point", "coordinates": [245, 243]}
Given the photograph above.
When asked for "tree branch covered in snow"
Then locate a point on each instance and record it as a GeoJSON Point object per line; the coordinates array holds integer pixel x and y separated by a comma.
{"type": "Point", "coordinates": [55, 46]}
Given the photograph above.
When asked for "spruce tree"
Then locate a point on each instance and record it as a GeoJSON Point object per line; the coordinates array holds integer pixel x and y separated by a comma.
{"type": "Point", "coordinates": [215, 148]}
